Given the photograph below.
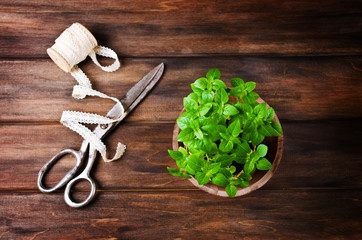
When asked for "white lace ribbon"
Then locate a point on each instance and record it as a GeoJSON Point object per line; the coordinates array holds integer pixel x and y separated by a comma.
{"type": "Point", "coordinates": [70, 48]}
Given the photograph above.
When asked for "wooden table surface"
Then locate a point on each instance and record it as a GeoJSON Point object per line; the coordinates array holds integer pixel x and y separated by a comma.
{"type": "Point", "coordinates": [305, 56]}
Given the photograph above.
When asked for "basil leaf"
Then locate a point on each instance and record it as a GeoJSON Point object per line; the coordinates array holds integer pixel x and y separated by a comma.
{"type": "Point", "coordinates": [190, 104]}
{"type": "Point", "coordinates": [181, 164]}
{"type": "Point", "coordinates": [192, 145]}
{"type": "Point", "coordinates": [188, 115]}
{"type": "Point", "coordinates": [213, 168]}
{"type": "Point", "coordinates": [236, 140]}
{"type": "Point", "coordinates": [232, 169]}
{"type": "Point", "coordinates": [183, 151]}
{"type": "Point", "coordinates": [204, 109]}
{"type": "Point", "coordinates": [221, 128]}
{"type": "Point", "coordinates": [201, 83]}
{"type": "Point", "coordinates": [221, 96]}
{"type": "Point", "coordinates": [213, 74]}
{"type": "Point", "coordinates": [212, 131]}
{"type": "Point", "coordinates": [243, 184]}
{"type": "Point", "coordinates": [200, 145]}
{"type": "Point", "coordinates": [244, 147]}
{"type": "Point", "coordinates": [220, 180]}
{"type": "Point", "coordinates": [263, 164]}
{"type": "Point", "coordinates": [199, 134]}
{"type": "Point", "coordinates": [259, 139]}
{"type": "Point", "coordinates": [218, 84]}
{"type": "Point", "coordinates": [236, 181]}
{"type": "Point", "coordinates": [194, 124]}
{"type": "Point", "coordinates": [249, 167]}
{"type": "Point", "coordinates": [230, 110]}
{"type": "Point", "coordinates": [209, 128]}
{"type": "Point", "coordinates": [173, 171]}
{"type": "Point", "coordinates": [226, 145]}
{"type": "Point", "coordinates": [176, 155]}
{"type": "Point", "coordinates": [193, 96]}
{"type": "Point", "coordinates": [225, 160]}
{"type": "Point", "coordinates": [221, 119]}
{"type": "Point", "coordinates": [225, 136]}
{"type": "Point", "coordinates": [234, 129]}
{"type": "Point", "coordinates": [250, 126]}
{"type": "Point", "coordinates": [254, 96]}
{"type": "Point", "coordinates": [237, 91]}
{"type": "Point", "coordinates": [196, 90]}
{"type": "Point", "coordinates": [267, 130]}
{"type": "Point", "coordinates": [269, 114]}
{"type": "Point", "coordinates": [256, 138]}
{"type": "Point", "coordinates": [207, 96]}
{"type": "Point", "coordinates": [207, 144]}
{"type": "Point", "coordinates": [245, 176]}
{"type": "Point", "coordinates": [260, 110]}
{"type": "Point", "coordinates": [189, 170]}
{"type": "Point", "coordinates": [225, 172]}
{"type": "Point", "coordinates": [250, 98]}
{"type": "Point", "coordinates": [178, 172]}
{"type": "Point", "coordinates": [241, 159]}
{"type": "Point", "coordinates": [243, 107]}
{"type": "Point", "coordinates": [202, 178]}
{"type": "Point", "coordinates": [254, 156]}
{"type": "Point", "coordinates": [186, 135]}
{"type": "Point", "coordinates": [249, 86]}
{"type": "Point", "coordinates": [183, 122]}
{"type": "Point", "coordinates": [231, 190]}
{"type": "Point", "coordinates": [236, 82]}
{"type": "Point", "coordinates": [205, 120]}
{"type": "Point", "coordinates": [184, 175]}
{"type": "Point", "coordinates": [262, 150]}
{"type": "Point", "coordinates": [277, 128]}
{"type": "Point", "coordinates": [195, 163]}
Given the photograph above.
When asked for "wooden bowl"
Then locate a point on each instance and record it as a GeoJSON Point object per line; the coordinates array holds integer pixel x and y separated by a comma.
{"type": "Point", "coordinates": [274, 155]}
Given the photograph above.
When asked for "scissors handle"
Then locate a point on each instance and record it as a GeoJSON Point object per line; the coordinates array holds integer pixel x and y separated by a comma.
{"type": "Point", "coordinates": [82, 176]}
{"type": "Point", "coordinates": [43, 171]}
{"type": "Point", "coordinates": [67, 198]}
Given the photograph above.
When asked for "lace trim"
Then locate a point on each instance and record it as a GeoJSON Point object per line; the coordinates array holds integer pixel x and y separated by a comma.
{"type": "Point", "coordinates": [74, 44]}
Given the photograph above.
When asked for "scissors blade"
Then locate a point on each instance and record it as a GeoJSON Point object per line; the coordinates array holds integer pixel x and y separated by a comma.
{"type": "Point", "coordinates": [146, 89]}
{"type": "Point", "coordinates": [141, 86]}
{"type": "Point", "coordinates": [134, 96]}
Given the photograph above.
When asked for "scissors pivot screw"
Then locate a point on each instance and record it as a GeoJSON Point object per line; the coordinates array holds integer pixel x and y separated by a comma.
{"type": "Point", "coordinates": [104, 126]}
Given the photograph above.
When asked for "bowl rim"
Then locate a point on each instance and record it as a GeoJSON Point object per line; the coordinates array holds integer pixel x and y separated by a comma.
{"type": "Point", "coordinates": [220, 191]}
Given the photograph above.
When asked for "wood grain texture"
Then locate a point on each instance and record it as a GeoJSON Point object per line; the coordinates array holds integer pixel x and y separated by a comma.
{"type": "Point", "coordinates": [305, 56]}
{"type": "Point", "coordinates": [263, 214]}
{"type": "Point", "coordinates": [316, 155]}
{"type": "Point", "coordinates": [187, 28]}
{"type": "Point", "coordinates": [298, 88]}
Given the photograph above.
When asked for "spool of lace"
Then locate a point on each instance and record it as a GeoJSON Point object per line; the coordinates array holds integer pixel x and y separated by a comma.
{"type": "Point", "coordinates": [70, 48]}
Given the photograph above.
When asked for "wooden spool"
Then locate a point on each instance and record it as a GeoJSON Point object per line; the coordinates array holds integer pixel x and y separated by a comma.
{"type": "Point", "coordinates": [274, 155]}
{"type": "Point", "coordinates": [60, 60]}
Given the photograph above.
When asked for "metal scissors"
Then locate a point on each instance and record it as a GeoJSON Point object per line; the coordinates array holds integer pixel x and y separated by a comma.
{"type": "Point", "coordinates": [129, 101]}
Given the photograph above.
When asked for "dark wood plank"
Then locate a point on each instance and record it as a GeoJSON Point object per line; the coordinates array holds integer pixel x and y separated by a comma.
{"type": "Point", "coordinates": [320, 155]}
{"type": "Point", "coordinates": [305, 57]}
{"type": "Point", "coordinates": [316, 155]}
{"type": "Point", "coordinates": [185, 28]}
{"type": "Point", "coordinates": [298, 88]}
{"type": "Point", "coordinates": [179, 215]}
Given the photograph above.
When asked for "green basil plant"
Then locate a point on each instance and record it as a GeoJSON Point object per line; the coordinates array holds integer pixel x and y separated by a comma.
{"type": "Point", "coordinates": [222, 137]}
